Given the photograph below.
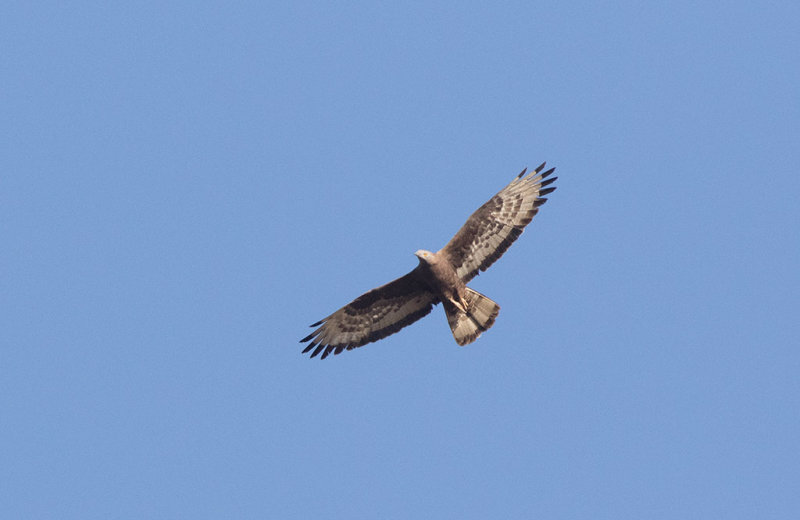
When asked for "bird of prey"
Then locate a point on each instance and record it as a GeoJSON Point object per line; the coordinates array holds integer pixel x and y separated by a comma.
{"type": "Point", "coordinates": [440, 277]}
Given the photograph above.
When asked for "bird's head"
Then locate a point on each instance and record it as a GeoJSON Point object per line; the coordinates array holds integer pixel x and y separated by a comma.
{"type": "Point", "coordinates": [424, 256]}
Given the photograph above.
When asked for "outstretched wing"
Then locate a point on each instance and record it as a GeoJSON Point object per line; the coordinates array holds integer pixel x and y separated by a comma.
{"type": "Point", "coordinates": [372, 316]}
{"type": "Point", "coordinates": [490, 231]}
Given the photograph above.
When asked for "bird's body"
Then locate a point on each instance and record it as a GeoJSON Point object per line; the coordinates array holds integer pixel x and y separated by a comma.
{"type": "Point", "coordinates": [468, 312]}
{"type": "Point", "coordinates": [440, 277]}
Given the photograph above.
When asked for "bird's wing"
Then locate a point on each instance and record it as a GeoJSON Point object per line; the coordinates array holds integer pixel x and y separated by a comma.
{"type": "Point", "coordinates": [372, 316]}
{"type": "Point", "coordinates": [490, 231]}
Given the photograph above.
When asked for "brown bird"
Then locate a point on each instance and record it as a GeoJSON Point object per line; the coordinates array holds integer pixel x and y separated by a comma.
{"type": "Point", "coordinates": [440, 277]}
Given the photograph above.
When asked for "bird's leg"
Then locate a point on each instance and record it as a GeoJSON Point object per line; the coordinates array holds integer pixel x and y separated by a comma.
{"type": "Point", "coordinates": [459, 303]}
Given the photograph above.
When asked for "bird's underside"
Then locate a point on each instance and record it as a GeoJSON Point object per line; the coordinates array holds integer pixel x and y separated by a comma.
{"type": "Point", "coordinates": [440, 277]}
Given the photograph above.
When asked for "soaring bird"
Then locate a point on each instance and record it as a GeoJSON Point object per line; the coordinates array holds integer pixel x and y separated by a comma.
{"type": "Point", "coordinates": [440, 277]}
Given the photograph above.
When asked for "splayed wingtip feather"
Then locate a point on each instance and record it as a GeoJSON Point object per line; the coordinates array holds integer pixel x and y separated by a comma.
{"type": "Point", "coordinates": [546, 182]}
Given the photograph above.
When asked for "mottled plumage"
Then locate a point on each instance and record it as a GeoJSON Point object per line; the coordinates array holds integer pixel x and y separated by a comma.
{"type": "Point", "coordinates": [440, 277]}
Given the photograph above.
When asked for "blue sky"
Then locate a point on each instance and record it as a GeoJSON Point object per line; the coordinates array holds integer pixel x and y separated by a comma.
{"type": "Point", "coordinates": [185, 187]}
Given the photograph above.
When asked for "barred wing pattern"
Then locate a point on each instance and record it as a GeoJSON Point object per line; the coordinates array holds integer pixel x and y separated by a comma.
{"type": "Point", "coordinates": [372, 316]}
{"type": "Point", "coordinates": [491, 230]}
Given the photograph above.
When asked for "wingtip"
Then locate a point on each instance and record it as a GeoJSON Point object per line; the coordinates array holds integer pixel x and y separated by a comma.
{"type": "Point", "coordinates": [548, 173]}
{"type": "Point", "coordinates": [547, 182]}
{"type": "Point", "coordinates": [522, 173]}
{"type": "Point", "coordinates": [540, 167]}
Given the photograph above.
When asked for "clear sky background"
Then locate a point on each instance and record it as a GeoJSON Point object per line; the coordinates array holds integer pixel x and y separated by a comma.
{"type": "Point", "coordinates": [186, 186]}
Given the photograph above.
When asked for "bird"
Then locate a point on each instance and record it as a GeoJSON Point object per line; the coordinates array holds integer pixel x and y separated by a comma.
{"type": "Point", "coordinates": [440, 277]}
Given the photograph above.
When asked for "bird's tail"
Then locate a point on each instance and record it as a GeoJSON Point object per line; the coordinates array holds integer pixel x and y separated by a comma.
{"type": "Point", "coordinates": [479, 316]}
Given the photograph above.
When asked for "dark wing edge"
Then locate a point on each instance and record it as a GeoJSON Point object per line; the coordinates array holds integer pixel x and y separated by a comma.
{"type": "Point", "coordinates": [372, 316]}
{"type": "Point", "coordinates": [492, 228]}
